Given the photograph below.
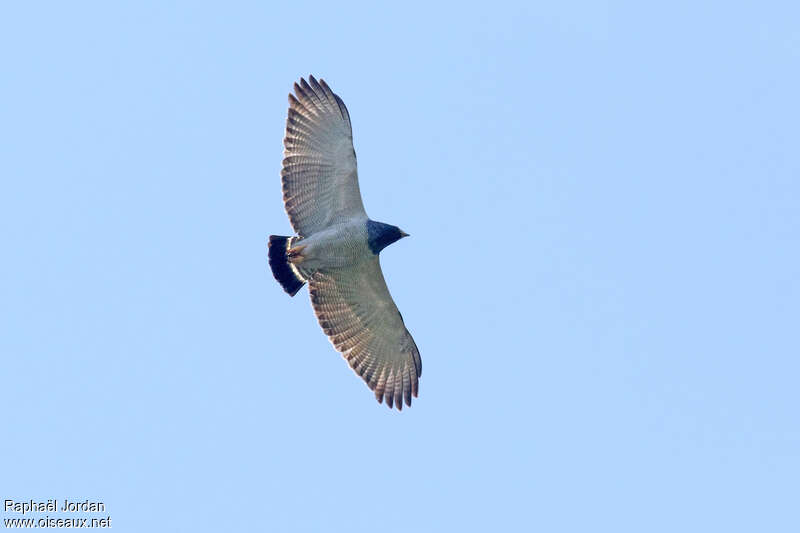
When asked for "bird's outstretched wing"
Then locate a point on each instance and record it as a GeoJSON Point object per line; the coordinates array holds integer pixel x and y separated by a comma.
{"type": "Point", "coordinates": [320, 181]}
{"type": "Point", "coordinates": [357, 313]}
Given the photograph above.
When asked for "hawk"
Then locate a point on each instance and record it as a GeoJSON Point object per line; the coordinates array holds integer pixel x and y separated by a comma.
{"type": "Point", "coordinates": [337, 245]}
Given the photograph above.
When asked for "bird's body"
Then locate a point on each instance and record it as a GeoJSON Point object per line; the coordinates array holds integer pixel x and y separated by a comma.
{"type": "Point", "coordinates": [336, 248]}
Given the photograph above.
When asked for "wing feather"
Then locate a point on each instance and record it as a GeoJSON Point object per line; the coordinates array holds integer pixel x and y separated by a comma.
{"type": "Point", "coordinates": [356, 311]}
{"type": "Point", "coordinates": [319, 174]}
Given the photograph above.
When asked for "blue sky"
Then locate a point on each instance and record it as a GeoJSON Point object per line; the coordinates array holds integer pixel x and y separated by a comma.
{"type": "Point", "coordinates": [602, 276]}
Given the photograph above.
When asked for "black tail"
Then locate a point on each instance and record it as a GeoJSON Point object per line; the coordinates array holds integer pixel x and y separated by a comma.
{"type": "Point", "coordinates": [287, 275]}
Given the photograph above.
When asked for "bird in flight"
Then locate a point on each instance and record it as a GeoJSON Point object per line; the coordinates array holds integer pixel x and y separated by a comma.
{"type": "Point", "coordinates": [336, 247]}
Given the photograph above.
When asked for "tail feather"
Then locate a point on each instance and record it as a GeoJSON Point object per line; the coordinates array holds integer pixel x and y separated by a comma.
{"type": "Point", "coordinates": [285, 273]}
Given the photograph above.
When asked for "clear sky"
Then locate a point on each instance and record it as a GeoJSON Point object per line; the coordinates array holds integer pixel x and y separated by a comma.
{"type": "Point", "coordinates": [602, 278]}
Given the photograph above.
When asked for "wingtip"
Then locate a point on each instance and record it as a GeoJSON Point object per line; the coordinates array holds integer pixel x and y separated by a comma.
{"type": "Point", "coordinates": [390, 400]}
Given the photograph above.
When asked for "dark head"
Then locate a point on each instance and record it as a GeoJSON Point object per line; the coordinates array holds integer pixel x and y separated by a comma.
{"type": "Point", "coordinates": [380, 235]}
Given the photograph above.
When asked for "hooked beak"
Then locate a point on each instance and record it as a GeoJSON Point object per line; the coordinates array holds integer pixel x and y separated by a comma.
{"type": "Point", "coordinates": [403, 234]}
